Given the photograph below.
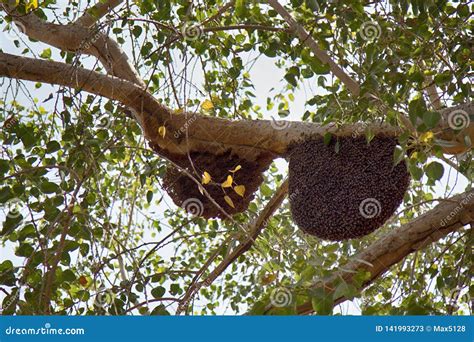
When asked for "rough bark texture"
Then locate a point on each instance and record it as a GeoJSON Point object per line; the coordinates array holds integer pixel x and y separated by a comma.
{"type": "Point", "coordinates": [245, 137]}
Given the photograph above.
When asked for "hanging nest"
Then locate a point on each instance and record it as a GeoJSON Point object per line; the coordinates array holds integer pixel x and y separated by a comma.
{"type": "Point", "coordinates": [346, 189]}
{"type": "Point", "coordinates": [186, 193]}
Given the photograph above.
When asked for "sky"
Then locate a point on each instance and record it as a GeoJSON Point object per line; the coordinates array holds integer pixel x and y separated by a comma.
{"type": "Point", "coordinates": [265, 76]}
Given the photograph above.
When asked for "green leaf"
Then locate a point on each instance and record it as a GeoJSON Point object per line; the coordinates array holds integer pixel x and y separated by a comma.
{"type": "Point", "coordinates": [240, 8]}
{"type": "Point", "coordinates": [322, 302]}
{"type": "Point", "coordinates": [434, 170]}
{"type": "Point", "coordinates": [5, 194]}
{"type": "Point", "coordinates": [137, 31]}
{"type": "Point", "coordinates": [46, 53]}
{"type": "Point", "coordinates": [259, 308]}
{"type": "Point", "coordinates": [431, 119]}
{"type": "Point", "coordinates": [291, 79]}
{"type": "Point", "coordinates": [398, 155]}
{"type": "Point", "coordinates": [416, 109]}
{"type": "Point", "coordinates": [175, 289]}
{"type": "Point", "coordinates": [443, 78]}
{"type": "Point", "coordinates": [24, 250]}
{"type": "Point", "coordinates": [49, 187]}
{"type": "Point", "coordinates": [415, 171]}
{"type": "Point", "coordinates": [312, 5]}
{"type": "Point", "coordinates": [160, 310]}
{"type": "Point", "coordinates": [52, 146]}
{"type": "Point", "coordinates": [337, 146]}
{"type": "Point", "coordinates": [327, 138]}
{"type": "Point", "coordinates": [7, 273]}
{"type": "Point", "coordinates": [266, 190]}
{"type": "Point", "coordinates": [4, 166]}
{"type": "Point", "coordinates": [158, 292]}
{"type": "Point", "coordinates": [68, 276]}
{"type": "Point", "coordinates": [348, 291]}
{"type": "Point", "coordinates": [149, 196]}
{"type": "Point", "coordinates": [292, 76]}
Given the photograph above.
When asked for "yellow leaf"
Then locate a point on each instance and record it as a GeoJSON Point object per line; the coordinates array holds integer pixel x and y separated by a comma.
{"type": "Point", "coordinates": [228, 182]}
{"type": "Point", "coordinates": [240, 190]}
{"type": "Point", "coordinates": [207, 105]}
{"type": "Point", "coordinates": [206, 178]}
{"type": "Point", "coordinates": [237, 168]}
{"type": "Point", "coordinates": [427, 137]}
{"type": "Point", "coordinates": [32, 4]}
{"type": "Point", "coordinates": [229, 201]}
{"type": "Point", "coordinates": [162, 131]}
{"type": "Point", "coordinates": [268, 278]}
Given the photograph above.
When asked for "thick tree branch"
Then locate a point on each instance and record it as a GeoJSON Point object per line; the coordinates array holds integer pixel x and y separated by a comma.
{"type": "Point", "coordinates": [79, 39]}
{"type": "Point", "coordinates": [446, 217]}
{"type": "Point", "coordinates": [249, 138]}
{"type": "Point", "coordinates": [205, 133]}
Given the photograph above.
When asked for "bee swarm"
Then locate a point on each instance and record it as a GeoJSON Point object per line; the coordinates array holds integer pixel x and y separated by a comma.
{"type": "Point", "coordinates": [183, 190]}
{"type": "Point", "coordinates": [345, 194]}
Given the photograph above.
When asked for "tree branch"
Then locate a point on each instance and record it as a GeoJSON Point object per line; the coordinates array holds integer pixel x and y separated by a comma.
{"type": "Point", "coordinates": [79, 39]}
{"type": "Point", "coordinates": [96, 12]}
{"type": "Point", "coordinates": [446, 217]}
{"type": "Point", "coordinates": [219, 12]}
{"type": "Point", "coordinates": [252, 232]}
{"type": "Point", "coordinates": [352, 85]}
{"type": "Point", "coordinates": [245, 137]}
{"type": "Point", "coordinates": [433, 94]}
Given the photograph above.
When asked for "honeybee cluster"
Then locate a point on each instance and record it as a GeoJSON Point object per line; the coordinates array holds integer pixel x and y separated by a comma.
{"type": "Point", "coordinates": [186, 193]}
{"type": "Point", "coordinates": [347, 188]}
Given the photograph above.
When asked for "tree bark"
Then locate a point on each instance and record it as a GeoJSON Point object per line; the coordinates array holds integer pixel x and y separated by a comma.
{"type": "Point", "coordinates": [248, 138]}
{"type": "Point", "coordinates": [79, 38]}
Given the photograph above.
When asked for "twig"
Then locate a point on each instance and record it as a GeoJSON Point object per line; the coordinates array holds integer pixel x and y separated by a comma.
{"type": "Point", "coordinates": [352, 85]}
{"type": "Point", "coordinates": [253, 230]}
{"type": "Point", "coordinates": [220, 11]}
{"type": "Point", "coordinates": [96, 12]}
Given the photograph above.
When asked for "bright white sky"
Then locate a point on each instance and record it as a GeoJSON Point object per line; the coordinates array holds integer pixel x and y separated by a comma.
{"type": "Point", "coordinates": [265, 76]}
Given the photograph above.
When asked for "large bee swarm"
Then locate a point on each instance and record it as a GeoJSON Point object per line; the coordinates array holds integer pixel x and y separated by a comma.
{"type": "Point", "coordinates": [346, 189]}
{"type": "Point", "coordinates": [186, 193]}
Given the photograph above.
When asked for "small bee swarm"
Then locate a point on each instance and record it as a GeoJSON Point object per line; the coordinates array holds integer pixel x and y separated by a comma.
{"type": "Point", "coordinates": [231, 181]}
